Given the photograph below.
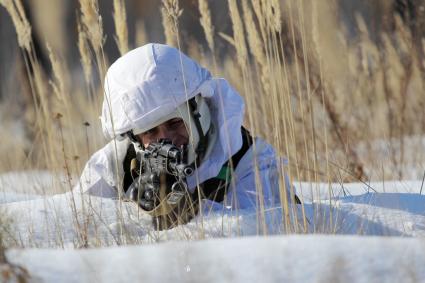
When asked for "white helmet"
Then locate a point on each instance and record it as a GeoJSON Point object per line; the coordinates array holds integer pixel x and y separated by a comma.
{"type": "Point", "coordinates": [152, 84]}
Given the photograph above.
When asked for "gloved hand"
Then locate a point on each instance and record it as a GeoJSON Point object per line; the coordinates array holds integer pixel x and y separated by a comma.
{"type": "Point", "coordinates": [168, 202]}
{"type": "Point", "coordinates": [145, 191]}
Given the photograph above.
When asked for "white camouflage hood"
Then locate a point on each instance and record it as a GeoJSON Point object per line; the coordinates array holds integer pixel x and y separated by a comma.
{"type": "Point", "coordinates": [147, 83]}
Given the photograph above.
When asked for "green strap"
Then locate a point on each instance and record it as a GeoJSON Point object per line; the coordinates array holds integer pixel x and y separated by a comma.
{"type": "Point", "coordinates": [224, 174]}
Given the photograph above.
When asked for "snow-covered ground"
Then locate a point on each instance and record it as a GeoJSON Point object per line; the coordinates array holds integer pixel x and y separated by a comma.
{"type": "Point", "coordinates": [192, 252]}
{"type": "Point", "coordinates": [252, 259]}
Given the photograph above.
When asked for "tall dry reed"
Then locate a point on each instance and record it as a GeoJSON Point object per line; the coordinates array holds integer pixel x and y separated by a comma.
{"type": "Point", "coordinates": [206, 24]}
{"type": "Point", "coordinates": [120, 20]}
{"type": "Point", "coordinates": [170, 13]}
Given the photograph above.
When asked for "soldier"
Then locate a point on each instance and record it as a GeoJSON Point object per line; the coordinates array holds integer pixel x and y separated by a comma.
{"type": "Point", "coordinates": [156, 93]}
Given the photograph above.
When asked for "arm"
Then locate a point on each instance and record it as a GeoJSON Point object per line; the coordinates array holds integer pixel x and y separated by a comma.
{"type": "Point", "coordinates": [100, 176]}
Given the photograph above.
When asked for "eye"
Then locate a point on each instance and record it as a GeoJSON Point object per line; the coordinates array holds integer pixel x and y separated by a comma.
{"type": "Point", "coordinates": [176, 123]}
{"type": "Point", "coordinates": [150, 132]}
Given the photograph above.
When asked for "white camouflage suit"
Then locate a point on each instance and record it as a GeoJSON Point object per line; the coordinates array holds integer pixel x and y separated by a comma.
{"type": "Point", "coordinates": [147, 83]}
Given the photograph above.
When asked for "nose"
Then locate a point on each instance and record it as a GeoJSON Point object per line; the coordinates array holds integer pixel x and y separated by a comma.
{"type": "Point", "coordinates": [165, 132]}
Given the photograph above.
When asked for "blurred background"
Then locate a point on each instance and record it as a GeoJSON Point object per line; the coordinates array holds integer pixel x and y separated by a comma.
{"type": "Point", "coordinates": [351, 107]}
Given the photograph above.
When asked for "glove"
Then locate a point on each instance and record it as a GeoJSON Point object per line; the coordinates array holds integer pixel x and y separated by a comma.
{"type": "Point", "coordinates": [168, 207]}
{"type": "Point", "coordinates": [145, 191]}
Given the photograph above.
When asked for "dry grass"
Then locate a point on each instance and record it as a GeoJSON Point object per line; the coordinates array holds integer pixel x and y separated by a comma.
{"type": "Point", "coordinates": [206, 23]}
{"type": "Point", "coordinates": [120, 18]}
{"type": "Point", "coordinates": [170, 13]}
{"type": "Point", "coordinates": [326, 85]}
{"type": "Point", "coordinates": [325, 98]}
{"type": "Point", "coordinates": [141, 35]}
{"type": "Point", "coordinates": [22, 26]}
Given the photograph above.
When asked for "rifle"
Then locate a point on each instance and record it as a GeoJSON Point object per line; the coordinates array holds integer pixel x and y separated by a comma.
{"type": "Point", "coordinates": [161, 182]}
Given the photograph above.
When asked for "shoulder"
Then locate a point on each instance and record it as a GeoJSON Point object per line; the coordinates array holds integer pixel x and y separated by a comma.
{"type": "Point", "coordinates": [260, 153]}
{"type": "Point", "coordinates": [106, 165]}
{"type": "Point", "coordinates": [258, 168]}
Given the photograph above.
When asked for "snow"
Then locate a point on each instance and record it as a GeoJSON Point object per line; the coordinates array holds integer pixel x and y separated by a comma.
{"type": "Point", "coordinates": [124, 244]}
{"type": "Point", "coordinates": [390, 209]}
{"type": "Point", "coordinates": [251, 259]}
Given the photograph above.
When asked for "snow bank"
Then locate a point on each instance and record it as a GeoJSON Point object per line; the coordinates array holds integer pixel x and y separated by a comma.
{"type": "Point", "coordinates": [72, 220]}
{"type": "Point", "coordinates": [322, 191]}
{"type": "Point", "coordinates": [251, 259]}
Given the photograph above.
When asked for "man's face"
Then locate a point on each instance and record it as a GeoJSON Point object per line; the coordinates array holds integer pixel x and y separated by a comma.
{"type": "Point", "coordinates": [173, 129]}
